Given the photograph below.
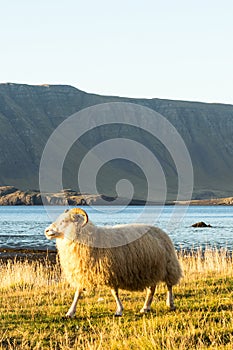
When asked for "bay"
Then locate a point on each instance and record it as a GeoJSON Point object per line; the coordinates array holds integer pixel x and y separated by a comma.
{"type": "Point", "coordinates": [23, 226]}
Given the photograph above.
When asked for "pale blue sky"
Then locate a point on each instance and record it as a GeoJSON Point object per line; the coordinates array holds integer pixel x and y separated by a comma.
{"type": "Point", "coordinates": [165, 49]}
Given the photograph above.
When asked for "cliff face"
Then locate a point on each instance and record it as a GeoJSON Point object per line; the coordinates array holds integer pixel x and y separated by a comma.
{"type": "Point", "coordinates": [29, 114]}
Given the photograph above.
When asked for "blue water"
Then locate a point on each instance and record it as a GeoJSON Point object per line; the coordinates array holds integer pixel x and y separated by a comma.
{"type": "Point", "coordinates": [23, 226]}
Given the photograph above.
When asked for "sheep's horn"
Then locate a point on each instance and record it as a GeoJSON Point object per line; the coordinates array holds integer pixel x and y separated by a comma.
{"type": "Point", "coordinates": [80, 212]}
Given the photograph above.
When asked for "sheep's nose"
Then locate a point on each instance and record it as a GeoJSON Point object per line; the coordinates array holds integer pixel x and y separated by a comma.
{"type": "Point", "coordinates": [47, 230]}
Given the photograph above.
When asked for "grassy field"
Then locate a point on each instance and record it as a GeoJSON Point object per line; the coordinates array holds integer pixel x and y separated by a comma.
{"type": "Point", "coordinates": [34, 298]}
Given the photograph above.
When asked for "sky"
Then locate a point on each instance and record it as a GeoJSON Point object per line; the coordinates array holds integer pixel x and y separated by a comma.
{"type": "Point", "coordinates": [179, 49]}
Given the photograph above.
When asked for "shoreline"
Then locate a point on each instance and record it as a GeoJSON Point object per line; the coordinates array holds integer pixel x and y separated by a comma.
{"type": "Point", "coordinates": [194, 202]}
{"type": "Point", "coordinates": [21, 254]}
{"type": "Point", "coordinates": [11, 196]}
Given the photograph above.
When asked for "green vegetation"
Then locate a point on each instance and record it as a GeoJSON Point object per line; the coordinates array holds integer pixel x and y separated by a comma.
{"type": "Point", "coordinates": [34, 297]}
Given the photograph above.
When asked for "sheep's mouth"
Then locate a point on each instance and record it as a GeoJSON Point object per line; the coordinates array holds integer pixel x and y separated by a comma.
{"type": "Point", "coordinates": [52, 234]}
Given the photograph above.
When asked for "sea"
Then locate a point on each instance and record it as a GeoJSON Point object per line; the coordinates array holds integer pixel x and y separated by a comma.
{"type": "Point", "coordinates": [22, 227]}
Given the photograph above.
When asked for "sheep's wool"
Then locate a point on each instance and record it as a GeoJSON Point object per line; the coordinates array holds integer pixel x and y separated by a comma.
{"type": "Point", "coordinates": [134, 266]}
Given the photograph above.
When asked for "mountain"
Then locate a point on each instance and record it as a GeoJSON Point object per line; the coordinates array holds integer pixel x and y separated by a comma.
{"type": "Point", "coordinates": [29, 115]}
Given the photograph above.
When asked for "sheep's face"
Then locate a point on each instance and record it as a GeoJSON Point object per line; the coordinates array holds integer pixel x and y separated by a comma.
{"type": "Point", "coordinates": [67, 225]}
{"type": "Point", "coordinates": [58, 228]}
{"type": "Point", "coordinates": [52, 232]}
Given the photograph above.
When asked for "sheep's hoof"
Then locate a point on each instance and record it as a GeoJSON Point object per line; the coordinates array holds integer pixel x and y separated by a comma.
{"type": "Point", "coordinates": [118, 314]}
{"type": "Point", "coordinates": [68, 316]}
{"type": "Point", "coordinates": [172, 308]}
{"type": "Point", "coordinates": [144, 311]}
{"type": "Point", "coordinates": [65, 318]}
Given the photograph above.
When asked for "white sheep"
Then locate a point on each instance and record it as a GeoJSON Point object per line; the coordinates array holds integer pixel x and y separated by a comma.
{"type": "Point", "coordinates": [92, 255]}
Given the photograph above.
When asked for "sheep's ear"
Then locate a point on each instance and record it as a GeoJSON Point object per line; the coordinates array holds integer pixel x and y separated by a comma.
{"type": "Point", "coordinates": [78, 219]}
{"type": "Point", "coordinates": [75, 215]}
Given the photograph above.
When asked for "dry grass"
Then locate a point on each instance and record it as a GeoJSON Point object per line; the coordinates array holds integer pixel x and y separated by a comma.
{"type": "Point", "coordinates": [34, 297]}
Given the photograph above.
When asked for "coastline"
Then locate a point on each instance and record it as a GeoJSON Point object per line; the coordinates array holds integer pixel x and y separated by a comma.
{"type": "Point", "coordinates": [10, 195]}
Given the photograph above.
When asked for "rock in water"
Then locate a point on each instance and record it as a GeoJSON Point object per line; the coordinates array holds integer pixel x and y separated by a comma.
{"type": "Point", "coordinates": [201, 224]}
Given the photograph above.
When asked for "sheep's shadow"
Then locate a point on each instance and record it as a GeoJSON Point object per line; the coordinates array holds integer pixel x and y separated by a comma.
{"type": "Point", "coordinates": [101, 315]}
{"type": "Point", "coordinates": [132, 315]}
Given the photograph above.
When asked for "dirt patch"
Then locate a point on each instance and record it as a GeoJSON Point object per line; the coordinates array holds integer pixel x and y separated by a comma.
{"type": "Point", "coordinates": [44, 256]}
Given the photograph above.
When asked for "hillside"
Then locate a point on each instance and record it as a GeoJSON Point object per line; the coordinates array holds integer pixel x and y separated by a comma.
{"type": "Point", "coordinates": [29, 114]}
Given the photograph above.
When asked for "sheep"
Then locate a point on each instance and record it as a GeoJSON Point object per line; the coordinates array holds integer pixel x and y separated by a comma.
{"type": "Point", "coordinates": [146, 257]}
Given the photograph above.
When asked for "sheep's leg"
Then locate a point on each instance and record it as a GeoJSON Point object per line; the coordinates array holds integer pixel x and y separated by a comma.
{"type": "Point", "coordinates": [149, 297]}
{"type": "Point", "coordinates": [72, 309]}
{"type": "Point", "coordinates": [170, 300]}
{"type": "Point", "coordinates": [119, 309]}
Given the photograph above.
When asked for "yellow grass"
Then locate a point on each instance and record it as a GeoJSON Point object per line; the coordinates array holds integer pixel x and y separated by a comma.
{"type": "Point", "coordinates": [34, 297]}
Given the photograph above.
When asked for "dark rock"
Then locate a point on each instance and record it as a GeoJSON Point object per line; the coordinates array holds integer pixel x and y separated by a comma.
{"type": "Point", "coordinates": [201, 224]}
{"type": "Point", "coordinates": [4, 190]}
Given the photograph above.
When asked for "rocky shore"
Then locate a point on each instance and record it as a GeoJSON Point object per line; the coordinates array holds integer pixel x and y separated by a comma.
{"type": "Point", "coordinates": [214, 201]}
{"type": "Point", "coordinates": [10, 195]}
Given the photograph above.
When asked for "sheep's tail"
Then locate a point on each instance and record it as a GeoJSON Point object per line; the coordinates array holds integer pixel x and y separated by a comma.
{"type": "Point", "coordinates": [174, 270]}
